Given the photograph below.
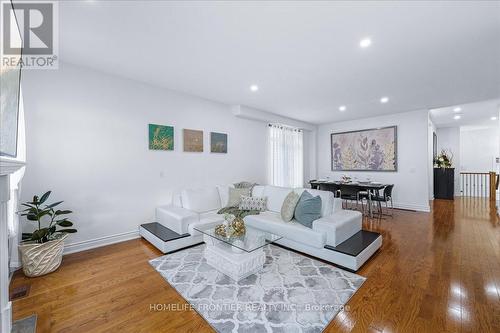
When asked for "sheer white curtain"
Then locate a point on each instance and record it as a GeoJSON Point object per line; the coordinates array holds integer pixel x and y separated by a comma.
{"type": "Point", "coordinates": [286, 156]}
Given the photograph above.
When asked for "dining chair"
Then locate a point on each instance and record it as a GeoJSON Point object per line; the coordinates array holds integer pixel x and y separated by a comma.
{"type": "Point", "coordinates": [349, 193]}
{"type": "Point", "coordinates": [387, 198]}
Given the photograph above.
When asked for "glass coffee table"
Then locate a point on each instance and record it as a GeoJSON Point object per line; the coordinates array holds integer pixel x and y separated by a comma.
{"type": "Point", "coordinates": [237, 257]}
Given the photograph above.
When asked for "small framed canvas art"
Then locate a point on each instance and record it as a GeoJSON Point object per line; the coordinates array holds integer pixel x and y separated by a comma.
{"type": "Point", "coordinates": [218, 142]}
{"type": "Point", "coordinates": [193, 140]}
{"type": "Point", "coordinates": [161, 137]}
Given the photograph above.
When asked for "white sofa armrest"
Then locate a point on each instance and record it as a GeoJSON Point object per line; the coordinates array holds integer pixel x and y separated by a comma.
{"type": "Point", "coordinates": [339, 226]}
{"type": "Point", "coordinates": [176, 218]}
{"type": "Point", "coordinates": [337, 205]}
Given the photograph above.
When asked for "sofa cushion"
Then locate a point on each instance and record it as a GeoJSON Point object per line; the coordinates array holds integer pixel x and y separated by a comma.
{"type": "Point", "coordinates": [339, 226]}
{"type": "Point", "coordinates": [235, 195]}
{"type": "Point", "coordinates": [327, 199]}
{"type": "Point", "coordinates": [308, 209]}
{"type": "Point", "coordinates": [224, 193]}
{"type": "Point", "coordinates": [206, 220]}
{"type": "Point", "coordinates": [201, 200]}
{"type": "Point", "coordinates": [275, 197]}
{"type": "Point", "coordinates": [288, 207]}
{"type": "Point", "coordinates": [258, 191]}
{"type": "Point", "coordinates": [272, 222]}
{"type": "Point", "coordinates": [176, 218]}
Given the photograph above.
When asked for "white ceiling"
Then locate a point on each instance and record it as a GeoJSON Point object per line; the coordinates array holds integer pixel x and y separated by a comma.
{"type": "Point", "coordinates": [473, 114]}
{"type": "Point", "coordinates": [304, 56]}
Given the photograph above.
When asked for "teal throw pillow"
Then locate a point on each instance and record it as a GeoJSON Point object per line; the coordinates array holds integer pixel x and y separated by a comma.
{"type": "Point", "coordinates": [308, 209]}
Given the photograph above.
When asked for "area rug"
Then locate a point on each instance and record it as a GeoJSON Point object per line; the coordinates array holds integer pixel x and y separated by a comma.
{"type": "Point", "coordinates": [25, 325]}
{"type": "Point", "coordinates": [293, 293]}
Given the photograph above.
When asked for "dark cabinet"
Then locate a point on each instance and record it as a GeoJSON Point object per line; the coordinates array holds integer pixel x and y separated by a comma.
{"type": "Point", "coordinates": [444, 183]}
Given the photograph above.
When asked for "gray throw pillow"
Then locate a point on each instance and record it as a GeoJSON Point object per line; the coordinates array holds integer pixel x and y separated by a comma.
{"type": "Point", "coordinates": [235, 196]}
{"type": "Point", "coordinates": [308, 209]}
{"type": "Point", "coordinates": [288, 207]}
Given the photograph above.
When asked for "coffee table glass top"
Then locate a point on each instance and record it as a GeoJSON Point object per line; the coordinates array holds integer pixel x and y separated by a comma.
{"type": "Point", "coordinates": [252, 240]}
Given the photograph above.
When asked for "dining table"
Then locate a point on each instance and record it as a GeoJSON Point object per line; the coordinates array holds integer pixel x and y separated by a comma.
{"type": "Point", "coordinates": [334, 186]}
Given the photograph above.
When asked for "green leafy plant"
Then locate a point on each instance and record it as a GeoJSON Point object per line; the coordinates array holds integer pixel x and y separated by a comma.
{"type": "Point", "coordinates": [36, 211]}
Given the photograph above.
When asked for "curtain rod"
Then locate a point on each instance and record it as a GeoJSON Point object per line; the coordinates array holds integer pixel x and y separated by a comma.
{"type": "Point", "coordinates": [285, 126]}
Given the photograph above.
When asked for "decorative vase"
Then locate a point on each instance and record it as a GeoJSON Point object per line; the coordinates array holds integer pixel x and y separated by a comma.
{"type": "Point", "coordinates": [238, 227]}
{"type": "Point", "coordinates": [42, 258]}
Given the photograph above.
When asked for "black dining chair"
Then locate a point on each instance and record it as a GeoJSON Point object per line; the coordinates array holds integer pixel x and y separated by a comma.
{"type": "Point", "coordinates": [349, 193]}
{"type": "Point", "coordinates": [387, 198]}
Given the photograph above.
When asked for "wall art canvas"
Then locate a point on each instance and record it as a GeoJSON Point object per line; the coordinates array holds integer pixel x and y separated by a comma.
{"type": "Point", "coordinates": [218, 142]}
{"type": "Point", "coordinates": [193, 140]}
{"type": "Point", "coordinates": [365, 150]}
{"type": "Point", "coordinates": [10, 78]}
{"type": "Point", "coordinates": [161, 137]}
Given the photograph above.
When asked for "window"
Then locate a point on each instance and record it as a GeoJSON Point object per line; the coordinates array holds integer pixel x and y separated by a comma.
{"type": "Point", "coordinates": [286, 156]}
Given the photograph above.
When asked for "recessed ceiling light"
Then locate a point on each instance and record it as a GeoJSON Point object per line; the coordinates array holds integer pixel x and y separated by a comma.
{"type": "Point", "coordinates": [457, 109]}
{"type": "Point", "coordinates": [457, 116]}
{"type": "Point", "coordinates": [384, 100]}
{"type": "Point", "coordinates": [365, 42]}
{"type": "Point", "coordinates": [254, 87]}
{"type": "Point", "coordinates": [493, 118]}
{"type": "Point", "coordinates": [342, 108]}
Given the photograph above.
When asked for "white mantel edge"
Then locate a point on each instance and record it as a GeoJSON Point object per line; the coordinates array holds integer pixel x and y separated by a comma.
{"type": "Point", "coordinates": [7, 167]}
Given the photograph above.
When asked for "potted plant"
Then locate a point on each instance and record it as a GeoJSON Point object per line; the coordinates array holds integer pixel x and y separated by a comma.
{"type": "Point", "coordinates": [41, 250]}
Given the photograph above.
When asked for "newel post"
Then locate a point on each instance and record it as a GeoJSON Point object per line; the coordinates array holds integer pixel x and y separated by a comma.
{"type": "Point", "coordinates": [493, 187]}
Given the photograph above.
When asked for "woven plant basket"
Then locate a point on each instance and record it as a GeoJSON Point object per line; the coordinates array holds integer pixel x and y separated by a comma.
{"type": "Point", "coordinates": [40, 259]}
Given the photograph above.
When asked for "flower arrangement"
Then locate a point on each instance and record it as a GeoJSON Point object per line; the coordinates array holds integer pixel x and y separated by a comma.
{"type": "Point", "coordinates": [345, 179]}
{"type": "Point", "coordinates": [444, 159]}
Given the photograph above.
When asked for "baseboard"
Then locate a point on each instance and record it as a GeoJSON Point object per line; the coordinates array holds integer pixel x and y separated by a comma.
{"type": "Point", "coordinates": [418, 208]}
{"type": "Point", "coordinates": [101, 241]}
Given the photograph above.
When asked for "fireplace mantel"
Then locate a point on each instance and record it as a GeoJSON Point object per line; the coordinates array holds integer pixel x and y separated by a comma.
{"type": "Point", "coordinates": [7, 167]}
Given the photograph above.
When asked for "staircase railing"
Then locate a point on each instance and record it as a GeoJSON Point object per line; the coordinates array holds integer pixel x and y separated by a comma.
{"type": "Point", "coordinates": [479, 184]}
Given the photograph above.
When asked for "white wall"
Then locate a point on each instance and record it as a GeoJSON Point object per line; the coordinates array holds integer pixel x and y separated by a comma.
{"type": "Point", "coordinates": [449, 139]}
{"type": "Point", "coordinates": [430, 146]}
{"type": "Point", "coordinates": [479, 147]}
{"type": "Point", "coordinates": [411, 179]}
{"type": "Point", "coordinates": [87, 141]}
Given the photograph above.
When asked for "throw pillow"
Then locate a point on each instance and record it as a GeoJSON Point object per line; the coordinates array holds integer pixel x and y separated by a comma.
{"type": "Point", "coordinates": [288, 207]}
{"type": "Point", "coordinates": [253, 203]}
{"type": "Point", "coordinates": [308, 209]}
{"type": "Point", "coordinates": [244, 185]}
{"type": "Point", "coordinates": [235, 196]}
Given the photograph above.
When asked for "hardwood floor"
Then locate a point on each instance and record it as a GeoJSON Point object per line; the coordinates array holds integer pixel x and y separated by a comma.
{"type": "Point", "coordinates": [436, 272]}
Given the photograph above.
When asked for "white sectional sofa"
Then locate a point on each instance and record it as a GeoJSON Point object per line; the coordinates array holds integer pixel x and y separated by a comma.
{"type": "Point", "coordinates": [330, 238]}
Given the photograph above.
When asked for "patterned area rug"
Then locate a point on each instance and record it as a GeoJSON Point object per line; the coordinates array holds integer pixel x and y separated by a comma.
{"type": "Point", "coordinates": [292, 293]}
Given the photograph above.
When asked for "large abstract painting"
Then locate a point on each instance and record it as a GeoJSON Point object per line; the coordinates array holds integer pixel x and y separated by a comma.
{"type": "Point", "coordinates": [365, 150]}
{"type": "Point", "coordinates": [161, 137]}
{"type": "Point", "coordinates": [10, 78]}
{"type": "Point", "coordinates": [193, 140]}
